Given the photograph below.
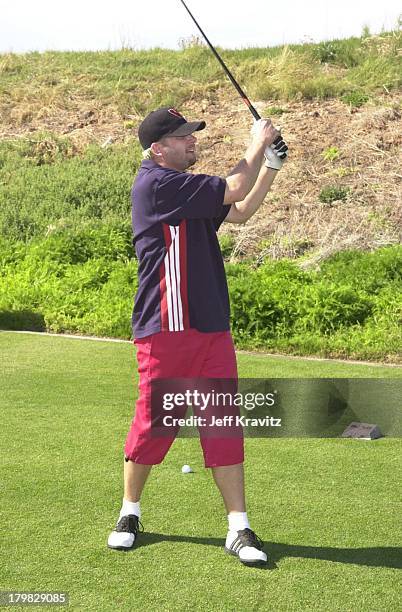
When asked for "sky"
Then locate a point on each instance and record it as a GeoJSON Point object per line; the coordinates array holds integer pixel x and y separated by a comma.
{"type": "Point", "coordinates": [40, 25]}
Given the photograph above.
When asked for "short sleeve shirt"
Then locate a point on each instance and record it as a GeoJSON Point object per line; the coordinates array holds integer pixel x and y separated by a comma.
{"type": "Point", "coordinates": [181, 276]}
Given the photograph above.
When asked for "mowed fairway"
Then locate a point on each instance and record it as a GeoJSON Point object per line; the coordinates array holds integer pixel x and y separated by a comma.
{"type": "Point", "coordinates": [328, 509]}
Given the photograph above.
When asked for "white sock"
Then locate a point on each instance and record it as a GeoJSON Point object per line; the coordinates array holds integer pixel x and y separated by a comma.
{"type": "Point", "coordinates": [237, 521]}
{"type": "Point", "coordinates": [129, 507]}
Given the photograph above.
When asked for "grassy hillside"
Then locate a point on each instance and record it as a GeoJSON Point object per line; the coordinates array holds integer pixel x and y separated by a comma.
{"type": "Point", "coordinates": [68, 155]}
{"type": "Point", "coordinates": [68, 144]}
{"type": "Point", "coordinates": [134, 81]}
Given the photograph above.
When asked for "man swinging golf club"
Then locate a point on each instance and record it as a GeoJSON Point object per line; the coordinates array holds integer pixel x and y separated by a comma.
{"type": "Point", "coordinates": [181, 312]}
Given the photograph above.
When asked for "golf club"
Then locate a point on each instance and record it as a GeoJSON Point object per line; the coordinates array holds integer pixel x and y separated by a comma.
{"type": "Point", "coordinates": [282, 153]}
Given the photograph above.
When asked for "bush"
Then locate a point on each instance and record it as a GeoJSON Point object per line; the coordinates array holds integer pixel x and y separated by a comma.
{"type": "Point", "coordinates": [351, 308]}
{"type": "Point", "coordinates": [325, 307]}
{"type": "Point", "coordinates": [11, 253]}
{"type": "Point", "coordinates": [355, 98]}
{"type": "Point", "coordinates": [333, 193]}
{"type": "Point", "coordinates": [331, 154]}
{"type": "Point", "coordinates": [35, 198]}
{"type": "Point", "coordinates": [326, 51]}
{"type": "Point", "coordinates": [274, 111]}
{"type": "Point", "coordinates": [85, 282]}
{"type": "Point", "coordinates": [226, 243]}
{"type": "Point", "coordinates": [369, 271]}
{"type": "Point", "coordinates": [264, 301]}
{"type": "Point", "coordinates": [346, 53]}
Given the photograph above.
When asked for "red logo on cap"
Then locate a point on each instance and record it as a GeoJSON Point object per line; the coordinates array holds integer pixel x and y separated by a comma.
{"type": "Point", "coordinates": [176, 113]}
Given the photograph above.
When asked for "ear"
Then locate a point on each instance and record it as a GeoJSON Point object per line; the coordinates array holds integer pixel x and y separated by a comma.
{"type": "Point", "coordinates": [156, 148]}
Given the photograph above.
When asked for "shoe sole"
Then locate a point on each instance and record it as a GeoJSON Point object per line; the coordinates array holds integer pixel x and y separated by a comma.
{"type": "Point", "coordinates": [120, 547]}
{"type": "Point", "coordinates": [250, 563]}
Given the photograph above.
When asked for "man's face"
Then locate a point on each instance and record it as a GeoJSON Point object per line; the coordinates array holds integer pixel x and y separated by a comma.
{"type": "Point", "coordinates": [177, 152]}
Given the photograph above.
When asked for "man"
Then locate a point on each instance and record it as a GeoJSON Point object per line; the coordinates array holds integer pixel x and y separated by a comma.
{"type": "Point", "coordinates": [181, 312]}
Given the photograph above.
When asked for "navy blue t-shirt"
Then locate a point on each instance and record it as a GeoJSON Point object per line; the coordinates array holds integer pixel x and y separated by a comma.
{"type": "Point", "coordinates": [182, 281]}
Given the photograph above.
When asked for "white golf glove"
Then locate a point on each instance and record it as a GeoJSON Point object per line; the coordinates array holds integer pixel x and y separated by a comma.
{"type": "Point", "coordinates": [276, 153]}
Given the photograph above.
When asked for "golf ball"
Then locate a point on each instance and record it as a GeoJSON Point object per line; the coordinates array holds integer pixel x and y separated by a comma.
{"type": "Point", "coordinates": [186, 469]}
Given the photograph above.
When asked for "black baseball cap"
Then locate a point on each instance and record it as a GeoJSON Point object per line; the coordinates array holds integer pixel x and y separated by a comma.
{"type": "Point", "coordinates": [164, 122]}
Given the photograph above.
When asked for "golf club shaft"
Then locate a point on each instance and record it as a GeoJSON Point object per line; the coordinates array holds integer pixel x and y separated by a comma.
{"type": "Point", "coordinates": [225, 68]}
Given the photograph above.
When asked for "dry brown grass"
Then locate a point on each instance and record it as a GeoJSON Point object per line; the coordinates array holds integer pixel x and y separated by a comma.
{"type": "Point", "coordinates": [293, 222]}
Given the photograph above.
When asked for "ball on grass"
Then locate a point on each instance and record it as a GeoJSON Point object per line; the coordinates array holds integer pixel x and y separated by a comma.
{"type": "Point", "coordinates": [186, 469]}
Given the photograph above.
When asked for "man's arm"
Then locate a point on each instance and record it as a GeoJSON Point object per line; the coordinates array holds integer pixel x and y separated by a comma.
{"type": "Point", "coordinates": [240, 212]}
{"type": "Point", "coordinates": [243, 177]}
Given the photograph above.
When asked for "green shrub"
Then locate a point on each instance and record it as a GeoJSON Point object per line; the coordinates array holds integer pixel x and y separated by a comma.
{"type": "Point", "coordinates": [331, 154]}
{"type": "Point", "coordinates": [355, 298]}
{"type": "Point", "coordinates": [328, 306]}
{"type": "Point", "coordinates": [11, 253]}
{"type": "Point", "coordinates": [378, 70]}
{"type": "Point", "coordinates": [110, 240]}
{"type": "Point", "coordinates": [333, 193]}
{"type": "Point", "coordinates": [388, 306]}
{"type": "Point", "coordinates": [264, 302]}
{"type": "Point", "coordinates": [34, 198]}
{"type": "Point", "coordinates": [274, 111]}
{"type": "Point", "coordinates": [326, 51]}
{"type": "Point", "coordinates": [94, 297]}
{"type": "Point", "coordinates": [368, 271]}
{"type": "Point", "coordinates": [226, 243]}
{"type": "Point", "coordinates": [84, 281]}
{"type": "Point", "coordinates": [355, 98]}
{"type": "Point", "coordinates": [346, 53]}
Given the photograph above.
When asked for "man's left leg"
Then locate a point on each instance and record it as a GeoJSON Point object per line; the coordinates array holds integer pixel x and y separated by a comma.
{"type": "Point", "coordinates": [230, 481]}
{"type": "Point", "coordinates": [225, 457]}
{"type": "Point", "coordinates": [241, 541]}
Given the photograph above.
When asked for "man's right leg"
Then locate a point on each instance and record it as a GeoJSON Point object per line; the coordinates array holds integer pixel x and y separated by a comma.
{"type": "Point", "coordinates": [135, 477]}
{"type": "Point", "coordinates": [124, 535]}
{"type": "Point", "coordinates": [164, 355]}
{"type": "Point", "coordinates": [226, 456]}
{"type": "Point", "coordinates": [140, 453]}
{"type": "Point", "coordinates": [158, 357]}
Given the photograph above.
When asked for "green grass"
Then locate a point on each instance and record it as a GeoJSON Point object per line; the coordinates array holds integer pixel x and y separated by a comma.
{"type": "Point", "coordinates": [125, 78]}
{"type": "Point", "coordinates": [262, 365]}
{"type": "Point", "coordinates": [83, 279]}
{"type": "Point", "coordinates": [38, 192]}
{"type": "Point", "coordinates": [328, 509]}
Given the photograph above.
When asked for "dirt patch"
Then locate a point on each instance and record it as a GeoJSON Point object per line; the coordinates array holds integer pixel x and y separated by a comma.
{"type": "Point", "coordinates": [365, 144]}
{"type": "Point", "coordinates": [365, 160]}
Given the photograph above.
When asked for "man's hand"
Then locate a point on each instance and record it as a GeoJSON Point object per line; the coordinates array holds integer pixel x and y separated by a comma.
{"type": "Point", "coordinates": [276, 155]}
{"type": "Point", "coordinates": [244, 175]}
{"type": "Point", "coordinates": [276, 152]}
{"type": "Point", "coordinates": [264, 131]}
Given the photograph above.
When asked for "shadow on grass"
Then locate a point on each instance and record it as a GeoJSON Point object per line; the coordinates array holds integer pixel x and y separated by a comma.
{"type": "Point", "coordinates": [22, 320]}
{"type": "Point", "coordinates": [387, 556]}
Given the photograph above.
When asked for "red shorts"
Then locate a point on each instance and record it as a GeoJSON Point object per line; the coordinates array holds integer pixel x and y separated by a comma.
{"type": "Point", "coordinates": [185, 354]}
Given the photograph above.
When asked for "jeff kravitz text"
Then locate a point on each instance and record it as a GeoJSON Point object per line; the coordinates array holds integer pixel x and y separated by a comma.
{"type": "Point", "coordinates": [226, 421]}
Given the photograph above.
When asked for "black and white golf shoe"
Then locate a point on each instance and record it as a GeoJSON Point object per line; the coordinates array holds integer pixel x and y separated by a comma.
{"type": "Point", "coordinates": [125, 533]}
{"type": "Point", "coordinates": [247, 546]}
